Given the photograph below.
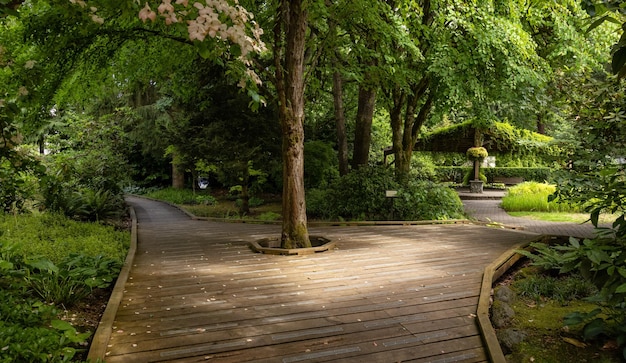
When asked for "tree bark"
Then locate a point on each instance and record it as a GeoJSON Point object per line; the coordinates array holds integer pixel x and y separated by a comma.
{"type": "Point", "coordinates": [363, 128]}
{"type": "Point", "coordinates": [340, 122]}
{"type": "Point", "coordinates": [406, 130]}
{"type": "Point", "coordinates": [292, 22]}
{"type": "Point", "coordinates": [245, 190]}
{"type": "Point", "coordinates": [178, 176]}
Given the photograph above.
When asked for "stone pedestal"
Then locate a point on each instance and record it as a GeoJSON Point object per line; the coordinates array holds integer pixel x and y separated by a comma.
{"type": "Point", "coordinates": [476, 186]}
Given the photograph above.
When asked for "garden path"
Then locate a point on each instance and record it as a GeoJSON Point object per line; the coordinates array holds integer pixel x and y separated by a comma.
{"type": "Point", "coordinates": [485, 207]}
{"type": "Point", "coordinates": [385, 294]}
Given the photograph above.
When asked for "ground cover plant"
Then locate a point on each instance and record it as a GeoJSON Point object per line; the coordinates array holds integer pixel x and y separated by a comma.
{"type": "Point", "coordinates": [55, 276]}
{"type": "Point", "coordinates": [543, 301]}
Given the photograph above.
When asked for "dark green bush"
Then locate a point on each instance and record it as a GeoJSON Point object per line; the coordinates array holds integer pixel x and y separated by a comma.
{"type": "Point", "coordinates": [317, 203]}
{"type": "Point", "coordinates": [457, 173]}
{"type": "Point", "coordinates": [84, 204]}
{"type": "Point", "coordinates": [320, 164]}
{"type": "Point", "coordinates": [425, 200]}
{"type": "Point", "coordinates": [360, 195]}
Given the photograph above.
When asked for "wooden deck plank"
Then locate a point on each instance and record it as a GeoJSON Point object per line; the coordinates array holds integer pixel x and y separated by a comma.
{"type": "Point", "coordinates": [385, 293]}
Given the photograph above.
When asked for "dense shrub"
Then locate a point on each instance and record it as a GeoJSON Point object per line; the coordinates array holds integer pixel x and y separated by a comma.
{"type": "Point", "coordinates": [425, 200]}
{"type": "Point", "coordinates": [360, 195]}
{"type": "Point", "coordinates": [320, 164]}
{"type": "Point", "coordinates": [457, 173]}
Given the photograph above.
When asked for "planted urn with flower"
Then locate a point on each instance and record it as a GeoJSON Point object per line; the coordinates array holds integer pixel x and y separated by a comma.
{"type": "Point", "coordinates": [476, 154]}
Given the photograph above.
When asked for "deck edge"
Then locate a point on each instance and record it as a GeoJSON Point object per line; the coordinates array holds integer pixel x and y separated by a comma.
{"type": "Point", "coordinates": [493, 272]}
{"type": "Point", "coordinates": [98, 347]}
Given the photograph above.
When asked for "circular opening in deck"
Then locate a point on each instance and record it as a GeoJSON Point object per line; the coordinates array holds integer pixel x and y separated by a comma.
{"type": "Point", "coordinates": [272, 246]}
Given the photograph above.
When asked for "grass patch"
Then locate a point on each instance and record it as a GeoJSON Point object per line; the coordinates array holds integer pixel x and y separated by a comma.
{"type": "Point", "coordinates": [563, 217]}
{"type": "Point", "coordinates": [182, 196]}
{"type": "Point", "coordinates": [219, 204]}
{"type": "Point", "coordinates": [533, 197]}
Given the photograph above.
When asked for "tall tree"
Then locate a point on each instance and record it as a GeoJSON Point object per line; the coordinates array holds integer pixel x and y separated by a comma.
{"type": "Point", "coordinates": [289, 50]}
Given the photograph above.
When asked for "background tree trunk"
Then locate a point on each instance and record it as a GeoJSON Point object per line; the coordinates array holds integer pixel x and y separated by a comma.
{"type": "Point", "coordinates": [290, 86]}
{"type": "Point", "coordinates": [178, 175]}
{"type": "Point", "coordinates": [340, 122]}
{"type": "Point", "coordinates": [363, 129]}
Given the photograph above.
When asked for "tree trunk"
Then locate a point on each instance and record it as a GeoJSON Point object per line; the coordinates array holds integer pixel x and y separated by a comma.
{"type": "Point", "coordinates": [290, 88]}
{"type": "Point", "coordinates": [363, 129]}
{"type": "Point", "coordinates": [541, 127]}
{"type": "Point", "coordinates": [245, 192]}
{"type": "Point", "coordinates": [340, 121]}
{"type": "Point", "coordinates": [405, 131]}
{"type": "Point", "coordinates": [178, 175]}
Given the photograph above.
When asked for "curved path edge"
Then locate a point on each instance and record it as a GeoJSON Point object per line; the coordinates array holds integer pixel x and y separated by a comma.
{"type": "Point", "coordinates": [98, 347]}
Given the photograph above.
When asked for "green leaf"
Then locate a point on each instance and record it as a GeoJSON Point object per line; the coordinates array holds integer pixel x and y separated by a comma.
{"type": "Point", "coordinates": [618, 61]}
{"type": "Point", "coordinates": [593, 329]}
{"type": "Point", "coordinates": [5, 265]}
{"type": "Point", "coordinates": [621, 289]}
{"type": "Point", "coordinates": [62, 325]}
{"type": "Point", "coordinates": [597, 23]}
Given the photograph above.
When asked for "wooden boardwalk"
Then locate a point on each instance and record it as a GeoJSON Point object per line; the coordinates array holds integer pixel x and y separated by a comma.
{"type": "Point", "coordinates": [196, 293]}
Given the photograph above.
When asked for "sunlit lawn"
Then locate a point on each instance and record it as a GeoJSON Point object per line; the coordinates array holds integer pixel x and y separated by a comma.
{"type": "Point", "coordinates": [563, 217]}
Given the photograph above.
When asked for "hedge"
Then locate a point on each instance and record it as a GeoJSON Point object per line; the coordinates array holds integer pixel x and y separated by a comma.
{"type": "Point", "coordinates": [456, 173]}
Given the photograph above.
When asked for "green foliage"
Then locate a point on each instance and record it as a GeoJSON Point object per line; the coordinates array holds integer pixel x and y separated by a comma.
{"type": "Point", "coordinates": [252, 202]}
{"type": "Point", "coordinates": [181, 196]}
{"type": "Point", "coordinates": [425, 200]}
{"type": "Point", "coordinates": [469, 175]}
{"type": "Point", "coordinates": [320, 164]}
{"type": "Point", "coordinates": [72, 280]}
{"type": "Point", "coordinates": [32, 288]}
{"type": "Point", "coordinates": [18, 179]}
{"type": "Point", "coordinates": [269, 216]}
{"type": "Point", "coordinates": [54, 236]}
{"type": "Point", "coordinates": [601, 261]}
{"type": "Point", "coordinates": [456, 173]}
{"type": "Point", "coordinates": [477, 153]}
{"type": "Point", "coordinates": [360, 195]}
{"type": "Point", "coordinates": [84, 204]}
{"type": "Point", "coordinates": [423, 167]}
{"type": "Point", "coordinates": [534, 197]}
{"type": "Point", "coordinates": [563, 289]}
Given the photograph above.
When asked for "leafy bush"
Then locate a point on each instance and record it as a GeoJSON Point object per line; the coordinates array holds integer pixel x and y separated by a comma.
{"type": "Point", "coordinates": [533, 197]}
{"type": "Point", "coordinates": [320, 164]}
{"type": "Point", "coordinates": [252, 202]}
{"type": "Point", "coordinates": [423, 167]}
{"type": "Point", "coordinates": [456, 173]}
{"type": "Point", "coordinates": [360, 195]}
{"type": "Point", "coordinates": [72, 280]}
{"type": "Point", "coordinates": [317, 203]}
{"type": "Point", "coordinates": [425, 200]}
